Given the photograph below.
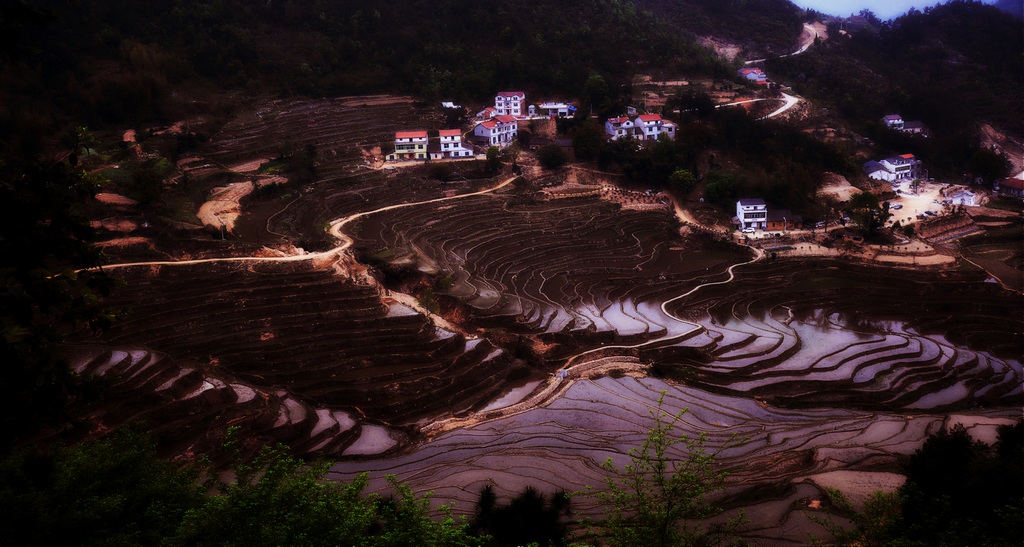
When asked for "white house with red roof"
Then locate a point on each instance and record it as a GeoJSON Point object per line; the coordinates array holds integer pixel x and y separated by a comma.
{"type": "Point", "coordinates": [620, 127]}
{"type": "Point", "coordinates": [499, 131]}
{"type": "Point", "coordinates": [903, 167]}
{"type": "Point", "coordinates": [409, 145]}
{"type": "Point", "coordinates": [754, 74]}
{"type": "Point", "coordinates": [449, 146]}
{"type": "Point", "coordinates": [486, 114]}
{"type": "Point", "coordinates": [894, 169]}
{"type": "Point", "coordinates": [510, 103]}
{"type": "Point", "coordinates": [652, 126]}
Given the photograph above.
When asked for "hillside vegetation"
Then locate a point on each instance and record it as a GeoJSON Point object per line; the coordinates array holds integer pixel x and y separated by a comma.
{"type": "Point", "coordinates": [919, 65]}
{"type": "Point", "coordinates": [123, 61]}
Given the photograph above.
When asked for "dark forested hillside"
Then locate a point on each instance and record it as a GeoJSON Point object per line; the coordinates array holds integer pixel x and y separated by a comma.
{"type": "Point", "coordinates": [762, 27]}
{"type": "Point", "coordinates": [122, 60]}
{"type": "Point", "coordinates": [950, 66]}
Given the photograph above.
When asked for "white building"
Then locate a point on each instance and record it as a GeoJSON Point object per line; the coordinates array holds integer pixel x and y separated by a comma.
{"type": "Point", "coordinates": [894, 169]}
{"type": "Point", "coordinates": [510, 103]}
{"type": "Point", "coordinates": [752, 213]}
{"type": "Point", "coordinates": [893, 121]}
{"type": "Point", "coordinates": [962, 197]}
{"type": "Point", "coordinates": [619, 127]}
{"type": "Point", "coordinates": [449, 146]}
{"type": "Point", "coordinates": [409, 145]}
{"type": "Point", "coordinates": [555, 110]}
{"type": "Point", "coordinates": [651, 126]}
{"type": "Point", "coordinates": [499, 131]}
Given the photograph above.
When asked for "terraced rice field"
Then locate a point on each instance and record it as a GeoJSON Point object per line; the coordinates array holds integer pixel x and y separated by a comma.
{"type": "Point", "coordinates": [557, 312]}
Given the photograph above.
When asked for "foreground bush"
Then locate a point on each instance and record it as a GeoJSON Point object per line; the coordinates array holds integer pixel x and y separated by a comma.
{"type": "Point", "coordinates": [115, 491]}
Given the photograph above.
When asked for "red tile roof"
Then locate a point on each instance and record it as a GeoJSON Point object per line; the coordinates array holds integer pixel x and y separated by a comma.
{"type": "Point", "coordinates": [411, 135]}
{"type": "Point", "coordinates": [907, 156]}
{"type": "Point", "coordinates": [650, 117]}
{"type": "Point", "coordinates": [450, 133]}
{"type": "Point", "coordinates": [512, 94]}
{"type": "Point", "coordinates": [621, 119]}
{"type": "Point", "coordinates": [1016, 184]}
{"type": "Point", "coordinates": [505, 119]}
{"type": "Point", "coordinates": [490, 124]}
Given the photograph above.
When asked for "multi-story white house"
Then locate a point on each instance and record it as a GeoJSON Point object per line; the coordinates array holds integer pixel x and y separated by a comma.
{"type": "Point", "coordinates": [510, 103]}
{"type": "Point", "coordinates": [618, 128]}
{"type": "Point", "coordinates": [651, 126]}
{"type": "Point", "coordinates": [896, 168]}
{"type": "Point", "coordinates": [409, 145]}
{"type": "Point", "coordinates": [893, 121]}
{"type": "Point", "coordinates": [449, 146]}
{"type": "Point", "coordinates": [499, 131]}
{"type": "Point", "coordinates": [752, 213]}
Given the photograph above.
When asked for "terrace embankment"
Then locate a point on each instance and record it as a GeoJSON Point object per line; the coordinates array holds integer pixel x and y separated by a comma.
{"type": "Point", "coordinates": [304, 332]}
{"type": "Point", "coordinates": [570, 273]}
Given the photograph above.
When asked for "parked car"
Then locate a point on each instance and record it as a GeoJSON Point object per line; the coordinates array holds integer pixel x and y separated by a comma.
{"type": "Point", "coordinates": [748, 230]}
{"type": "Point", "coordinates": [896, 206]}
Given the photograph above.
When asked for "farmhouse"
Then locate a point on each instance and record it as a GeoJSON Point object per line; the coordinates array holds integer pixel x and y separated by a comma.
{"type": "Point", "coordinates": [755, 75]}
{"type": "Point", "coordinates": [555, 110]}
{"type": "Point", "coordinates": [784, 219]}
{"type": "Point", "coordinates": [509, 103]}
{"type": "Point", "coordinates": [962, 197]}
{"type": "Point", "coordinates": [1011, 187]}
{"type": "Point", "coordinates": [752, 213]}
{"type": "Point", "coordinates": [893, 121]}
{"type": "Point", "coordinates": [618, 128]}
{"type": "Point", "coordinates": [651, 126]}
{"type": "Point", "coordinates": [499, 131]}
{"type": "Point", "coordinates": [409, 145]}
{"type": "Point", "coordinates": [894, 169]}
{"type": "Point", "coordinates": [897, 123]}
{"type": "Point", "coordinates": [486, 114]}
{"type": "Point", "coordinates": [449, 146]}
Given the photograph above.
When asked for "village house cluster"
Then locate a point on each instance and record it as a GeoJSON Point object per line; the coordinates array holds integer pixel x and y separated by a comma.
{"type": "Point", "coordinates": [895, 122]}
{"type": "Point", "coordinates": [498, 126]}
{"type": "Point", "coordinates": [417, 145]}
{"type": "Point", "coordinates": [643, 127]}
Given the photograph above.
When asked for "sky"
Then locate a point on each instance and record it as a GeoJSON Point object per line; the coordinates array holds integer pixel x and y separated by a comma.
{"type": "Point", "coordinates": [884, 9]}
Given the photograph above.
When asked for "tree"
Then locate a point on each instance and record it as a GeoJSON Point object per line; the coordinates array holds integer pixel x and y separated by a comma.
{"type": "Point", "coordinates": [280, 500]}
{"type": "Point", "coordinates": [647, 500]}
{"type": "Point", "coordinates": [116, 491]}
{"type": "Point", "coordinates": [493, 159]}
{"type": "Point", "coordinates": [595, 92]}
{"type": "Point", "coordinates": [45, 243]}
{"type": "Point", "coordinates": [530, 518]}
{"type": "Point", "coordinates": [869, 214]}
{"type": "Point", "coordinates": [720, 189]}
{"type": "Point", "coordinates": [112, 491]}
{"type": "Point", "coordinates": [958, 492]}
{"type": "Point", "coordinates": [682, 182]}
{"type": "Point", "coordinates": [551, 156]}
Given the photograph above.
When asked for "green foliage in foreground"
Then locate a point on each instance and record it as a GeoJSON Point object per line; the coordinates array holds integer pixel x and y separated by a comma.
{"type": "Point", "coordinates": [647, 501]}
{"type": "Point", "coordinates": [115, 491]}
{"type": "Point", "coordinates": [958, 492]}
